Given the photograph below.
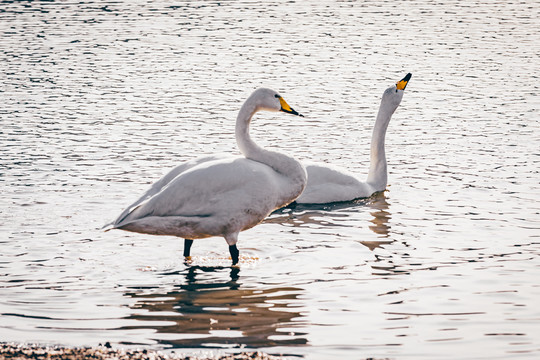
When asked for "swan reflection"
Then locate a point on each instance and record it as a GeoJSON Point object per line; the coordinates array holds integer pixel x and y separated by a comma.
{"type": "Point", "coordinates": [211, 314]}
{"type": "Point", "coordinates": [324, 215]}
{"type": "Point", "coordinates": [380, 222]}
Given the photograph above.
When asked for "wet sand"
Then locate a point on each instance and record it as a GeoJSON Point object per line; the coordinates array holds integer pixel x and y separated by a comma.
{"type": "Point", "coordinates": [29, 351]}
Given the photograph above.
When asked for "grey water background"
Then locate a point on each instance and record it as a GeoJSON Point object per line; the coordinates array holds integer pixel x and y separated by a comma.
{"type": "Point", "coordinates": [99, 99]}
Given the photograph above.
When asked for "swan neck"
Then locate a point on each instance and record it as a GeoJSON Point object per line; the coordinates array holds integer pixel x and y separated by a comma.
{"type": "Point", "coordinates": [291, 169]}
{"type": "Point", "coordinates": [243, 139]}
{"type": "Point", "coordinates": [377, 176]}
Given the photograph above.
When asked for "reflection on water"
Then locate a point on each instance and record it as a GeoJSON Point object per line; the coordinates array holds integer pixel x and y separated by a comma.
{"type": "Point", "coordinates": [381, 214]}
{"type": "Point", "coordinates": [328, 215]}
{"type": "Point", "coordinates": [99, 100]}
{"type": "Point", "coordinates": [323, 214]}
{"type": "Point", "coordinates": [208, 314]}
{"type": "Point", "coordinates": [380, 221]}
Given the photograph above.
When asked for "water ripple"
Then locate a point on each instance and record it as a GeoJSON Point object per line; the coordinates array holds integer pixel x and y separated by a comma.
{"type": "Point", "coordinates": [100, 99]}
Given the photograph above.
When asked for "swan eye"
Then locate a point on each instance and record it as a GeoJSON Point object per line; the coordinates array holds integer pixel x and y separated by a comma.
{"type": "Point", "coordinates": [277, 96]}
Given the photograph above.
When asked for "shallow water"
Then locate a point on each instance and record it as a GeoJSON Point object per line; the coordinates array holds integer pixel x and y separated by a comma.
{"type": "Point", "coordinates": [98, 100]}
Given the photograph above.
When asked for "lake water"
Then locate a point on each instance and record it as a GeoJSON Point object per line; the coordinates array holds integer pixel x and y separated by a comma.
{"type": "Point", "coordinates": [99, 99]}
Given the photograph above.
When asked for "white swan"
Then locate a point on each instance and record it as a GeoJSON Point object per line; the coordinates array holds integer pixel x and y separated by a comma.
{"type": "Point", "coordinates": [328, 184]}
{"type": "Point", "coordinates": [220, 195]}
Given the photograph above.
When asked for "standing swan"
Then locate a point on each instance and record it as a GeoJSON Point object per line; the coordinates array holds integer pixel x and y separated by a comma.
{"type": "Point", "coordinates": [331, 184]}
{"type": "Point", "coordinates": [218, 195]}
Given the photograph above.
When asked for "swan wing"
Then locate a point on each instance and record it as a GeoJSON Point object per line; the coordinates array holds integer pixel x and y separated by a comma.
{"type": "Point", "coordinates": [327, 184]}
{"type": "Point", "coordinates": [215, 192]}
{"type": "Point", "coordinates": [165, 180]}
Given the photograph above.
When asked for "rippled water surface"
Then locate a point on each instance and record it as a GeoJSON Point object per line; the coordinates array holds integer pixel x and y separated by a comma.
{"type": "Point", "coordinates": [98, 100]}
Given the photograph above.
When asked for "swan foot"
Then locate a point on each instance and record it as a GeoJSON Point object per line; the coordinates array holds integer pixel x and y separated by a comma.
{"type": "Point", "coordinates": [234, 254]}
{"type": "Point", "coordinates": [187, 247]}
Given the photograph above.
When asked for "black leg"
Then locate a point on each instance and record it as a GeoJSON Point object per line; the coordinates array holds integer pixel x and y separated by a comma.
{"type": "Point", "coordinates": [234, 254]}
{"type": "Point", "coordinates": [187, 247]}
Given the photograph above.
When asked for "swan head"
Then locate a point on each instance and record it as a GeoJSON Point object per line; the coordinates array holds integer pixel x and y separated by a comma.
{"type": "Point", "coordinates": [393, 95]}
{"type": "Point", "coordinates": [270, 100]}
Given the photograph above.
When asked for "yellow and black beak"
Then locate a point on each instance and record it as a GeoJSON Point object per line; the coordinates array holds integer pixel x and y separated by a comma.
{"type": "Point", "coordinates": [402, 84]}
{"type": "Point", "coordinates": [286, 108]}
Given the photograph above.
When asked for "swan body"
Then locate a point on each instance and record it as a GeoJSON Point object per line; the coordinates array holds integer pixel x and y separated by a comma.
{"type": "Point", "coordinates": [327, 184]}
{"type": "Point", "coordinates": [220, 195]}
{"type": "Point", "coordinates": [166, 179]}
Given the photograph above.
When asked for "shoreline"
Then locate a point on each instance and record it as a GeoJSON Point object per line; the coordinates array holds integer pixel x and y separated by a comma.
{"type": "Point", "coordinates": [21, 351]}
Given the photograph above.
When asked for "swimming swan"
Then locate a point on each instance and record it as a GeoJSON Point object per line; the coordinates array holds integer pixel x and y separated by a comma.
{"type": "Point", "coordinates": [221, 195]}
{"type": "Point", "coordinates": [331, 184]}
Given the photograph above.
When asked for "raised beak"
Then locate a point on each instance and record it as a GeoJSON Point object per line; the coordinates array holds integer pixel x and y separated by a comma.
{"type": "Point", "coordinates": [286, 108]}
{"type": "Point", "coordinates": [402, 84]}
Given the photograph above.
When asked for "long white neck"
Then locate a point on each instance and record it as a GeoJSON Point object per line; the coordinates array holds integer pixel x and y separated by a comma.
{"type": "Point", "coordinates": [285, 165]}
{"type": "Point", "coordinates": [377, 176]}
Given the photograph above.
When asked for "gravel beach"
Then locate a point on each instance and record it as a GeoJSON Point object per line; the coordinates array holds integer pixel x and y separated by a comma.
{"type": "Point", "coordinates": [29, 351]}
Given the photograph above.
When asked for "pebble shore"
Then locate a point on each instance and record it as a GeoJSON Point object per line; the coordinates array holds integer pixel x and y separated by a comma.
{"type": "Point", "coordinates": [29, 351]}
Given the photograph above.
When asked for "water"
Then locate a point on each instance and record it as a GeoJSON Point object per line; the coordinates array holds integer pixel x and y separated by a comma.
{"type": "Point", "coordinates": [98, 100]}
